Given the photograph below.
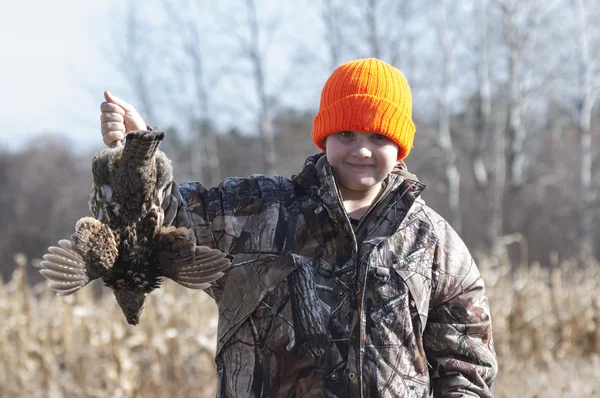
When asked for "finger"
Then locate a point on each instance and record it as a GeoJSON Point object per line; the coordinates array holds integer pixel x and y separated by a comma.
{"type": "Point", "coordinates": [107, 107]}
{"type": "Point", "coordinates": [111, 117]}
{"type": "Point", "coordinates": [107, 127]}
{"type": "Point", "coordinates": [112, 136]}
{"type": "Point", "coordinates": [118, 101]}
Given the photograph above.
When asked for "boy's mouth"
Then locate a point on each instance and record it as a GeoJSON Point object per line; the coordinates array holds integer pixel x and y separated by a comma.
{"type": "Point", "coordinates": [360, 166]}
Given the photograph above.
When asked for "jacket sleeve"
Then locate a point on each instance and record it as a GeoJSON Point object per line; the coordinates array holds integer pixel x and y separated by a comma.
{"type": "Point", "coordinates": [177, 213]}
{"type": "Point", "coordinates": [175, 209]}
{"type": "Point", "coordinates": [217, 215]}
{"type": "Point", "coordinates": [458, 336]}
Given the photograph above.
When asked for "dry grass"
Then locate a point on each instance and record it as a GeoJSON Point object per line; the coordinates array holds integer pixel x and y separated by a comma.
{"type": "Point", "coordinates": [78, 346]}
{"type": "Point", "coordinates": [546, 329]}
{"type": "Point", "coordinates": [546, 326]}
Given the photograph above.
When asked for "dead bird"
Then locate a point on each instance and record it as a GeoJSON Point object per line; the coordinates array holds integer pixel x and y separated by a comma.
{"type": "Point", "coordinates": [126, 244]}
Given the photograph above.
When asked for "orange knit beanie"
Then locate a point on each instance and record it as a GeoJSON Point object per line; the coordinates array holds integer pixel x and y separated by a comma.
{"type": "Point", "coordinates": [366, 95]}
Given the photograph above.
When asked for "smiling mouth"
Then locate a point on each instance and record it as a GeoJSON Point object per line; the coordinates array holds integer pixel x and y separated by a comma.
{"type": "Point", "coordinates": [360, 166]}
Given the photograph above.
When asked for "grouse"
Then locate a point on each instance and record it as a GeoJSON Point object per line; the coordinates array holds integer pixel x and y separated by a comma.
{"type": "Point", "coordinates": [126, 244]}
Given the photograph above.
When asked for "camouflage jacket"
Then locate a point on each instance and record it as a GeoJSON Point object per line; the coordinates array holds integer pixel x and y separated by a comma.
{"type": "Point", "coordinates": [313, 307]}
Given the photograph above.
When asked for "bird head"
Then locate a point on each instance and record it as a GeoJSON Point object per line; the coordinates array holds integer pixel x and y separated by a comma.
{"type": "Point", "coordinates": [131, 303]}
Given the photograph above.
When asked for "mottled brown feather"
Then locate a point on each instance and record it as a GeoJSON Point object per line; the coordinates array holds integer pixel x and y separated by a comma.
{"type": "Point", "coordinates": [189, 265]}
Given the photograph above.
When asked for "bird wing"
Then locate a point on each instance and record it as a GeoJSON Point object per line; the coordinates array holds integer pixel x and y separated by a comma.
{"type": "Point", "coordinates": [184, 262]}
{"type": "Point", "coordinates": [98, 245]}
{"type": "Point", "coordinates": [89, 254]}
{"type": "Point", "coordinates": [65, 269]}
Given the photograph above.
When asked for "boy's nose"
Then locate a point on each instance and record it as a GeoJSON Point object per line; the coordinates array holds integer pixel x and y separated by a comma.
{"type": "Point", "coordinates": [362, 151]}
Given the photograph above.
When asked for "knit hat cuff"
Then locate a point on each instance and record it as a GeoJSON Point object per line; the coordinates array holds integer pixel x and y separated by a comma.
{"type": "Point", "coordinates": [366, 113]}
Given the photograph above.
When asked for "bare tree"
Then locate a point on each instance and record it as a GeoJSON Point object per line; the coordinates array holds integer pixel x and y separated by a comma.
{"type": "Point", "coordinates": [204, 156]}
{"type": "Point", "coordinates": [515, 131]}
{"type": "Point", "coordinates": [587, 92]}
{"type": "Point", "coordinates": [484, 96]}
{"type": "Point", "coordinates": [252, 50]}
{"type": "Point", "coordinates": [385, 28]}
{"type": "Point", "coordinates": [332, 18]}
{"type": "Point", "coordinates": [489, 139]}
{"type": "Point", "coordinates": [154, 76]}
{"type": "Point", "coordinates": [444, 137]}
{"type": "Point", "coordinates": [132, 59]}
{"type": "Point", "coordinates": [402, 49]}
{"type": "Point", "coordinates": [522, 21]}
{"type": "Point", "coordinates": [372, 20]}
{"type": "Point", "coordinates": [496, 114]}
{"type": "Point", "coordinates": [45, 190]}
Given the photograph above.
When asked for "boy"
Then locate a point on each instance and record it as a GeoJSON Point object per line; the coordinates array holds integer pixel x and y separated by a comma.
{"type": "Point", "coordinates": [344, 283]}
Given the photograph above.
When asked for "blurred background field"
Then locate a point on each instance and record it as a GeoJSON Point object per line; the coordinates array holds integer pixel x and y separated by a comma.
{"type": "Point", "coordinates": [505, 100]}
{"type": "Point", "coordinates": [547, 338]}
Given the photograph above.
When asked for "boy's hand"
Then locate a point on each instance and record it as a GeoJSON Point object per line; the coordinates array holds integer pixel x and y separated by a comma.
{"type": "Point", "coordinates": [118, 118]}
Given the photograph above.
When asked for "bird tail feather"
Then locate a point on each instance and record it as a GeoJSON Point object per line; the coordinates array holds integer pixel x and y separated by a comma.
{"type": "Point", "coordinates": [141, 145]}
{"type": "Point", "coordinates": [64, 268]}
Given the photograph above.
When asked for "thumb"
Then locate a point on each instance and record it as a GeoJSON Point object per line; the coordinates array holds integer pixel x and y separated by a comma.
{"type": "Point", "coordinates": [118, 101]}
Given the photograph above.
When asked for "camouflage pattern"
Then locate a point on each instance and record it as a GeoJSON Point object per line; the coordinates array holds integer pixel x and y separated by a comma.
{"type": "Point", "coordinates": [312, 307]}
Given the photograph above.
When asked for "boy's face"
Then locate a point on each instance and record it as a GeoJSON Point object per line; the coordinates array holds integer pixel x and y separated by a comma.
{"type": "Point", "coordinates": [360, 161]}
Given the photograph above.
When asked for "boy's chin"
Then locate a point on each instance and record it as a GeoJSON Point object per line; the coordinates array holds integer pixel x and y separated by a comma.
{"type": "Point", "coordinates": [363, 185]}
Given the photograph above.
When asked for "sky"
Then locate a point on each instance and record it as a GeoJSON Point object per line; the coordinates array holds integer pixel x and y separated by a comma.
{"type": "Point", "coordinates": [53, 69]}
{"type": "Point", "coordinates": [55, 65]}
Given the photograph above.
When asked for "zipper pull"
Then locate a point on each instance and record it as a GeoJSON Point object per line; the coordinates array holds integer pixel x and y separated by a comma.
{"type": "Point", "coordinates": [382, 274]}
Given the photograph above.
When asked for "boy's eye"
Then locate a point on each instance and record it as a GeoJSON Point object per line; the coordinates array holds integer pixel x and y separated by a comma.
{"type": "Point", "coordinates": [346, 134]}
{"type": "Point", "coordinates": [379, 137]}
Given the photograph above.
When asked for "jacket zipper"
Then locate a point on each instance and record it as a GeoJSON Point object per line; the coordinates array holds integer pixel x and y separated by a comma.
{"type": "Point", "coordinates": [384, 195]}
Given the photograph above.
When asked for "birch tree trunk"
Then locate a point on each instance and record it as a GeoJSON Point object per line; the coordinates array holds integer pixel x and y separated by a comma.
{"type": "Point", "coordinates": [515, 131]}
{"type": "Point", "coordinates": [584, 104]}
{"type": "Point", "coordinates": [205, 156]}
{"type": "Point", "coordinates": [489, 140]}
{"type": "Point", "coordinates": [484, 102]}
{"type": "Point", "coordinates": [333, 35]}
{"type": "Point", "coordinates": [265, 123]}
{"type": "Point", "coordinates": [444, 137]}
{"type": "Point", "coordinates": [521, 21]}
{"type": "Point", "coordinates": [498, 187]}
